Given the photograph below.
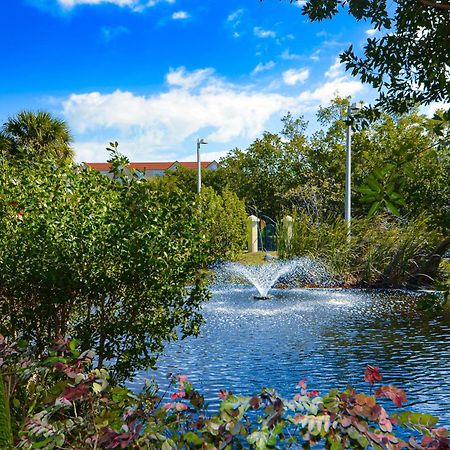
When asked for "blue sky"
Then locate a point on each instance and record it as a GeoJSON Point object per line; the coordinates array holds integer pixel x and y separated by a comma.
{"type": "Point", "coordinates": [155, 74]}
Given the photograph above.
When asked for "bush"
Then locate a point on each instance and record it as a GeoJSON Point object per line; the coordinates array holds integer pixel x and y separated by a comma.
{"type": "Point", "coordinates": [224, 222]}
{"type": "Point", "coordinates": [112, 263]}
{"type": "Point", "coordinates": [60, 402]}
{"type": "Point", "coordinates": [381, 251]}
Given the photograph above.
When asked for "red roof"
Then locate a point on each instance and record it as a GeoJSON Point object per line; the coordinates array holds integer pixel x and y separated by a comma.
{"type": "Point", "coordinates": [103, 167]}
{"type": "Point", "coordinates": [193, 165]}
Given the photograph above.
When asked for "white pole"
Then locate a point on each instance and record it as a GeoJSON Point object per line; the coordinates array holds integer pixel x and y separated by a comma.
{"type": "Point", "coordinates": [199, 168]}
{"type": "Point", "coordinates": [348, 174]}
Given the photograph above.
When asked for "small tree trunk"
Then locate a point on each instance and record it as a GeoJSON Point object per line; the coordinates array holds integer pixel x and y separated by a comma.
{"type": "Point", "coordinates": [6, 438]}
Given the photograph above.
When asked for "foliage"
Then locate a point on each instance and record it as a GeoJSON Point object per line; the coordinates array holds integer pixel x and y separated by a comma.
{"type": "Point", "coordinates": [186, 179]}
{"type": "Point", "coordinates": [224, 223]}
{"type": "Point", "coordinates": [60, 402]}
{"type": "Point", "coordinates": [401, 156]}
{"type": "Point", "coordinates": [112, 263]}
{"type": "Point", "coordinates": [405, 61]}
{"type": "Point", "coordinates": [270, 168]}
{"type": "Point", "coordinates": [6, 437]}
{"type": "Point", "coordinates": [34, 136]}
{"type": "Point", "coordinates": [381, 252]}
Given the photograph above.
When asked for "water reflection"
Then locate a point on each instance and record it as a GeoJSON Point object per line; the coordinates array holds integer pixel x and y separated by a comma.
{"type": "Point", "coordinates": [325, 336]}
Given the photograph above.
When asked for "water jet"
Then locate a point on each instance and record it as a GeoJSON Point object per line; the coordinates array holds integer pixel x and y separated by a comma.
{"type": "Point", "coordinates": [265, 276]}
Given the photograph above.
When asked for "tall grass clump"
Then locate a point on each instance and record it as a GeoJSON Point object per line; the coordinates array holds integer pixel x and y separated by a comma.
{"type": "Point", "coordinates": [380, 251]}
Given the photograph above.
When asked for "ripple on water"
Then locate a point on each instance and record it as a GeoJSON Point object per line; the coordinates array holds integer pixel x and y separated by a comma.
{"type": "Point", "coordinates": [325, 336]}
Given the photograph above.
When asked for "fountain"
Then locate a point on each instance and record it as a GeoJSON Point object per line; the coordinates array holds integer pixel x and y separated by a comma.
{"type": "Point", "coordinates": [265, 276]}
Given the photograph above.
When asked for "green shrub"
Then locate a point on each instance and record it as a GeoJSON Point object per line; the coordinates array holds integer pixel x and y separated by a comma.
{"type": "Point", "coordinates": [114, 264]}
{"type": "Point", "coordinates": [224, 222]}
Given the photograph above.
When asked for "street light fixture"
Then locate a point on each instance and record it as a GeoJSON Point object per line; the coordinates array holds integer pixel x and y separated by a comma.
{"type": "Point", "coordinates": [354, 107]}
{"type": "Point", "coordinates": [199, 165]}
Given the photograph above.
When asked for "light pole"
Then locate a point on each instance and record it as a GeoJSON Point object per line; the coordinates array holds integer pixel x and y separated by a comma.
{"type": "Point", "coordinates": [348, 165]}
{"type": "Point", "coordinates": [199, 165]}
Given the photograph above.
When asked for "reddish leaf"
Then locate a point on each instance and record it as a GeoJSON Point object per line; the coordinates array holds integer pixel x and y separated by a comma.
{"type": "Point", "coordinates": [223, 394]}
{"type": "Point", "coordinates": [254, 402]}
{"type": "Point", "coordinates": [75, 393]}
{"type": "Point", "coordinates": [397, 395]}
{"type": "Point", "coordinates": [372, 374]}
{"type": "Point", "coordinates": [313, 393]}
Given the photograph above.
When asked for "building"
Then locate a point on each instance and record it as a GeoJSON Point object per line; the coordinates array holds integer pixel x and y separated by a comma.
{"type": "Point", "coordinates": [154, 169]}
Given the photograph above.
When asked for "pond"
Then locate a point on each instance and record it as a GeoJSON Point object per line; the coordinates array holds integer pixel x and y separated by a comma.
{"type": "Point", "coordinates": [325, 336]}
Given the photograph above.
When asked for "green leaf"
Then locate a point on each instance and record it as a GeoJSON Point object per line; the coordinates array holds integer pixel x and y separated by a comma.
{"type": "Point", "coordinates": [392, 208]}
{"type": "Point", "coordinates": [374, 208]}
{"type": "Point", "coordinates": [43, 443]}
{"type": "Point", "coordinates": [193, 438]}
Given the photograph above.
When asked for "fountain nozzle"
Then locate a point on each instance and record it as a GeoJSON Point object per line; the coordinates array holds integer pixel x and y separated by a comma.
{"type": "Point", "coordinates": [262, 297]}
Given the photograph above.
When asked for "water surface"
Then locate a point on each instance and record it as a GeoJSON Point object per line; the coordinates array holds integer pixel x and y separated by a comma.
{"type": "Point", "coordinates": [325, 336]}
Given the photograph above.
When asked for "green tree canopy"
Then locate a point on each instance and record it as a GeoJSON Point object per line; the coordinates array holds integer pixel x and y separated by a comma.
{"type": "Point", "coordinates": [35, 136]}
{"type": "Point", "coordinates": [407, 62]}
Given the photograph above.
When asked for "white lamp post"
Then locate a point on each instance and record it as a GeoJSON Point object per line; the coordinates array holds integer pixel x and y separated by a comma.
{"type": "Point", "coordinates": [199, 165]}
{"type": "Point", "coordinates": [348, 165]}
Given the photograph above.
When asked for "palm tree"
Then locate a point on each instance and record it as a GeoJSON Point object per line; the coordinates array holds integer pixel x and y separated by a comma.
{"type": "Point", "coordinates": [36, 136]}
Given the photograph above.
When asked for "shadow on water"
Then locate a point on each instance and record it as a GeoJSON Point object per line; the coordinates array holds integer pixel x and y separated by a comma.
{"type": "Point", "coordinates": [326, 336]}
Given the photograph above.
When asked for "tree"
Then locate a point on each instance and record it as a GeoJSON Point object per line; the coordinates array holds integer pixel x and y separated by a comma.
{"type": "Point", "coordinates": [35, 136]}
{"type": "Point", "coordinates": [269, 169]}
{"type": "Point", "coordinates": [408, 61]}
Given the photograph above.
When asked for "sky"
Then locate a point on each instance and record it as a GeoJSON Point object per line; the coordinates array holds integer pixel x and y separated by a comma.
{"type": "Point", "coordinates": [155, 75]}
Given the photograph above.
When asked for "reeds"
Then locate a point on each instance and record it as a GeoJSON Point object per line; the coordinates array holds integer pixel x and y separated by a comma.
{"type": "Point", "coordinates": [379, 252]}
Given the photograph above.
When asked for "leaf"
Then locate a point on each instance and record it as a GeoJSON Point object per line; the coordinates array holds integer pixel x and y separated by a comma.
{"type": "Point", "coordinates": [392, 208]}
{"type": "Point", "coordinates": [167, 445]}
{"type": "Point", "coordinates": [41, 444]}
{"type": "Point", "coordinates": [193, 438]}
{"type": "Point", "coordinates": [374, 208]}
{"type": "Point", "coordinates": [364, 189]}
{"type": "Point", "coordinates": [374, 184]}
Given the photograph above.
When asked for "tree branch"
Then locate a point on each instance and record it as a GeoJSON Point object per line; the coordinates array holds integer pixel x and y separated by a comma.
{"type": "Point", "coordinates": [432, 4]}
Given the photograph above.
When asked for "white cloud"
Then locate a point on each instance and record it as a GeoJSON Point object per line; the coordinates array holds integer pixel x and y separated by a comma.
{"type": "Point", "coordinates": [261, 33]}
{"type": "Point", "coordinates": [135, 5]}
{"type": "Point", "coordinates": [110, 33]}
{"type": "Point", "coordinates": [326, 92]}
{"type": "Point", "coordinates": [336, 70]}
{"type": "Point", "coordinates": [262, 67]}
{"type": "Point", "coordinates": [233, 22]}
{"type": "Point", "coordinates": [435, 106]}
{"type": "Point", "coordinates": [371, 32]}
{"type": "Point", "coordinates": [235, 16]}
{"type": "Point", "coordinates": [292, 77]}
{"type": "Point", "coordinates": [180, 77]}
{"type": "Point", "coordinates": [288, 56]}
{"type": "Point", "coordinates": [73, 3]}
{"type": "Point", "coordinates": [159, 126]}
{"type": "Point", "coordinates": [315, 56]}
{"type": "Point", "coordinates": [180, 15]}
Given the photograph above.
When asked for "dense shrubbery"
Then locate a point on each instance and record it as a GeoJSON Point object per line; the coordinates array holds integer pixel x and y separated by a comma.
{"type": "Point", "coordinates": [224, 222]}
{"type": "Point", "coordinates": [60, 402]}
{"type": "Point", "coordinates": [112, 263]}
{"type": "Point", "coordinates": [382, 252]}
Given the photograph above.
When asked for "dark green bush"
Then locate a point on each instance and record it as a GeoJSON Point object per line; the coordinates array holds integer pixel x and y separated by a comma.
{"type": "Point", "coordinates": [114, 264]}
